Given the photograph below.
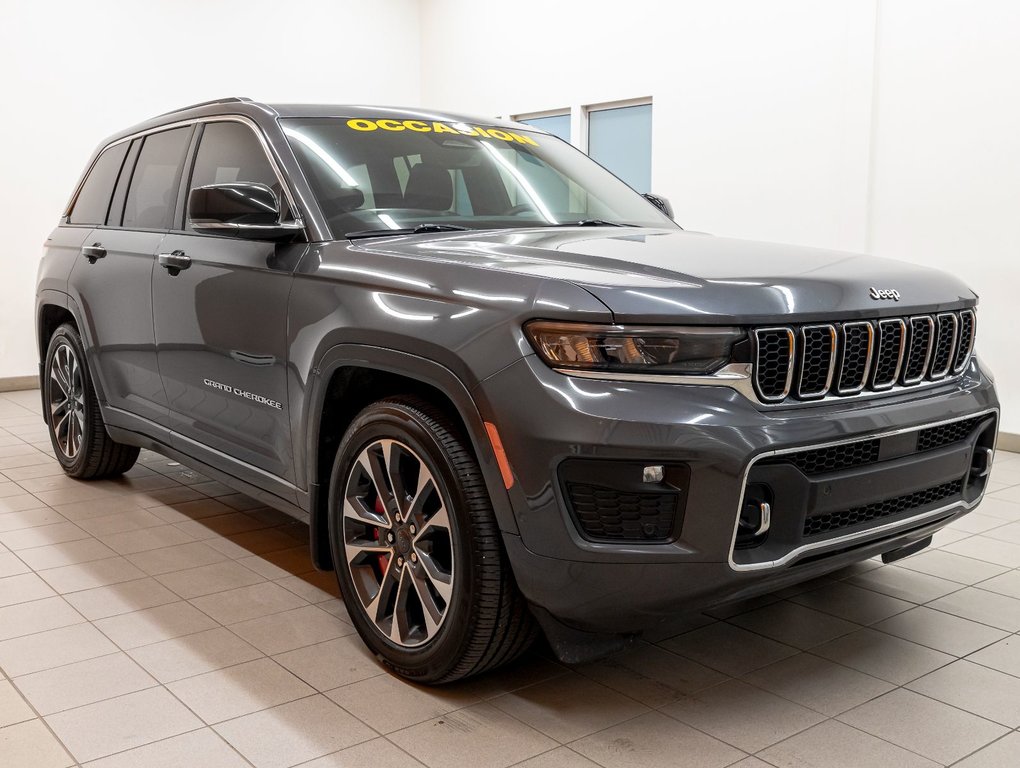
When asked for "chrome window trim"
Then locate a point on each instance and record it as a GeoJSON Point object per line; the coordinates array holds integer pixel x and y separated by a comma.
{"type": "Point", "coordinates": [867, 360]}
{"type": "Point", "coordinates": [936, 376]}
{"type": "Point", "coordinates": [928, 354]}
{"type": "Point", "coordinates": [878, 354]}
{"type": "Point", "coordinates": [837, 540]}
{"type": "Point", "coordinates": [790, 369]}
{"type": "Point", "coordinates": [291, 199]}
{"type": "Point", "coordinates": [832, 361]}
{"type": "Point", "coordinates": [234, 227]}
{"type": "Point", "coordinates": [965, 358]}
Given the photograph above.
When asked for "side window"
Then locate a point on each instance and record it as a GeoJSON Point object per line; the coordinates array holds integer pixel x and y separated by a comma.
{"type": "Point", "coordinates": [364, 183]}
{"type": "Point", "coordinates": [230, 152]}
{"type": "Point", "coordinates": [536, 186]}
{"type": "Point", "coordinates": [94, 197]}
{"type": "Point", "coordinates": [402, 165]}
{"type": "Point", "coordinates": [113, 218]}
{"type": "Point", "coordinates": [461, 198]}
{"type": "Point", "coordinates": [153, 191]}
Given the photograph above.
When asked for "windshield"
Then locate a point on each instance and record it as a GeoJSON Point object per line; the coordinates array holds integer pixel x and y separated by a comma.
{"type": "Point", "coordinates": [370, 175]}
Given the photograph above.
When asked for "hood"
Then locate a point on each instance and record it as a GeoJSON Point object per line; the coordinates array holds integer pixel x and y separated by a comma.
{"type": "Point", "coordinates": [657, 275]}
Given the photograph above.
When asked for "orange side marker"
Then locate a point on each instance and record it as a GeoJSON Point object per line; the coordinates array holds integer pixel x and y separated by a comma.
{"type": "Point", "coordinates": [501, 459]}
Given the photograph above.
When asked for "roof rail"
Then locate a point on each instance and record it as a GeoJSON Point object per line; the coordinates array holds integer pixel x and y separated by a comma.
{"type": "Point", "coordinates": [228, 100]}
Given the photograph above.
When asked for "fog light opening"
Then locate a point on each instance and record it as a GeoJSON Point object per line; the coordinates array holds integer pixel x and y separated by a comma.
{"type": "Point", "coordinates": [755, 516]}
{"type": "Point", "coordinates": [980, 469]}
{"type": "Point", "coordinates": [981, 464]}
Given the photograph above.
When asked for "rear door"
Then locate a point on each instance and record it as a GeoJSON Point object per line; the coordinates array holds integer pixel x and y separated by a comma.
{"type": "Point", "coordinates": [74, 238]}
{"type": "Point", "coordinates": [111, 281]}
{"type": "Point", "coordinates": [221, 323]}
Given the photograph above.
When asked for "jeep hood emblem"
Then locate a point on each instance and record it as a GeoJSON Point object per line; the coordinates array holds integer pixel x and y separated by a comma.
{"type": "Point", "coordinates": [881, 295]}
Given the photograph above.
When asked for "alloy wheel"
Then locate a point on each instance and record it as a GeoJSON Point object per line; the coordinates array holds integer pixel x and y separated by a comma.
{"type": "Point", "coordinates": [67, 401]}
{"type": "Point", "coordinates": [398, 542]}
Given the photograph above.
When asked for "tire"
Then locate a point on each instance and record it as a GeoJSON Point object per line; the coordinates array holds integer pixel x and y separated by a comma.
{"type": "Point", "coordinates": [435, 603]}
{"type": "Point", "coordinates": [77, 431]}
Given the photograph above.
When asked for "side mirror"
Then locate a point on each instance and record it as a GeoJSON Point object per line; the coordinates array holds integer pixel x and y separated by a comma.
{"type": "Point", "coordinates": [659, 202]}
{"type": "Point", "coordinates": [245, 210]}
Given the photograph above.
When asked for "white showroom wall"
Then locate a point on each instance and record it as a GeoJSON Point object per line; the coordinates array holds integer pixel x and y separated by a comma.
{"type": "Point", "coordinates": [885, 126]}
{"type": "Point", "coordinates": [946, 184]}
{"type": "Point", "coordinates": [72, 73]}
{"type": "Point", "coordinates": [760, 109]}
{"type": "Point", "coordinates": [888, 126]}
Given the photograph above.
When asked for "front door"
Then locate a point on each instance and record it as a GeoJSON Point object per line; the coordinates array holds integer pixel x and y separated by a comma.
{"type": "Point", "coordinates": [220, 314]}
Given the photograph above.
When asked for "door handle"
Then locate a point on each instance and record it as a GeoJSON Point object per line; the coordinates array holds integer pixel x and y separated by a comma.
{"type": "Point", "coordinates": [174, 262]}
{"type": "Point", "coordinates": [93, 252]}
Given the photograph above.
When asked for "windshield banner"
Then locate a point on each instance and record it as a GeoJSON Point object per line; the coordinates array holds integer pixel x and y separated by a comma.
{"type": "Point", "coordinates": [420, 126]}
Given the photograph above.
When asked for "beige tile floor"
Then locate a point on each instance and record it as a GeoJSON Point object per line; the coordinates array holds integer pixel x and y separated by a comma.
{"type": "Point", "coordinates": [164, 620]}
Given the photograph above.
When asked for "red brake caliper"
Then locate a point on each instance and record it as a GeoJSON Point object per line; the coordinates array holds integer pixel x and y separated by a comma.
{"type": "Point", "coordinates": [384, 560]}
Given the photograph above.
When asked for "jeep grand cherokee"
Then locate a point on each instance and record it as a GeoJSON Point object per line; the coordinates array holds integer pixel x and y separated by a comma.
{"type": "Point", "coordinates": [507, 392]}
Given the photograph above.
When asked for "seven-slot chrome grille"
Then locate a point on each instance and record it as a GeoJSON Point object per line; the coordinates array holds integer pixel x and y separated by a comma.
{"type": "Point", "coordinates": [810, 362]}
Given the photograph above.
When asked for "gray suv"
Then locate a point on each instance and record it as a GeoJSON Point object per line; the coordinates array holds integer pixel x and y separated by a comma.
{"type": "Point", "coordinates": [508, 393]}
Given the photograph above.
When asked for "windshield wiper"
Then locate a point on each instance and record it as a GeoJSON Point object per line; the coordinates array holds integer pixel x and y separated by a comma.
{"type": "Point", "coordinates": [592, 223]}
{"type": "Point", "coordinates": [420, 229]}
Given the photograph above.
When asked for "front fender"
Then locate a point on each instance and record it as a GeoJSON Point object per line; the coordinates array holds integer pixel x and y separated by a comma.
{"type": "Point", "coordinates": [413, 367]}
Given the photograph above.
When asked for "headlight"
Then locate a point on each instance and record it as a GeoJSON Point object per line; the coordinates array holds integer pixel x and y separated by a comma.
{"type": "Point", "coordinates": [679, 350]}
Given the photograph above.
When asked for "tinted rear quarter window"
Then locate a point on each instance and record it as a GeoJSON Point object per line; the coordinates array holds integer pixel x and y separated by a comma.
{"type": "Point", "coordinates": [93, 199]}
{"type": "Point", "coordinates": [154, 183]}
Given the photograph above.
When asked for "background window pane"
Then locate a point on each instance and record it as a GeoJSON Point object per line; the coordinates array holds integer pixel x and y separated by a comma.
{"type": "Point", "coordinates": [621, 140]}
{"type": "Point", "coordinates": [557, 125]}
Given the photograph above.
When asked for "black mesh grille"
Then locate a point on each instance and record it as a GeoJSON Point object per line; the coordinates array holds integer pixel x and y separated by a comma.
{"type": "Point", "coordinates": [966, 341]}
{"type": "Point", "coordinates": [889, 339]}
{"type": "Point", "coordinates": [816, 354]}
{"type": "Point", "coordinates": [835, 521]}
{"type": "Point", "coordinates": [854, 366]}
{"type": "Point", "coordinates": [916, 363]}
{"type": "Point", "coordinates": [833, 458]}
{"type": "Point", "coordinates": [887, 357]}
{"type": "Point", "coordinates": [606, 513]}
{"type": "Point", "coordinates": [946, 434]}
{"type": "Point", "coordinates": [945, 344]}
{"type": "Point", "coordinates": [836, 457]}
{"type": "Point", "coordinates": [773, 362]}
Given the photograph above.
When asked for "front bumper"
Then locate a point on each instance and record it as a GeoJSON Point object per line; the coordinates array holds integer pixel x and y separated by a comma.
{"type": "Point", "coordinates": [545, 418]}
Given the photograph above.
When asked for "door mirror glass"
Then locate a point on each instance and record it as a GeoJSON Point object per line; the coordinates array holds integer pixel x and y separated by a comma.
{"type": "Point", "coordinates": [241, 209]}
{"type": "Point", "coordinates": [659, 202]}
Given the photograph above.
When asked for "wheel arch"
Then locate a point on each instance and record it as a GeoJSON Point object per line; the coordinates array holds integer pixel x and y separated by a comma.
{"type": "Point", "coordinates": [51, 316]}
{"type": "Point", "coordinates": [350, 377]}
{"type": "Point", "coordinates": [51, 312]}
{"type": "Point", "coordinates": [53, 309]}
